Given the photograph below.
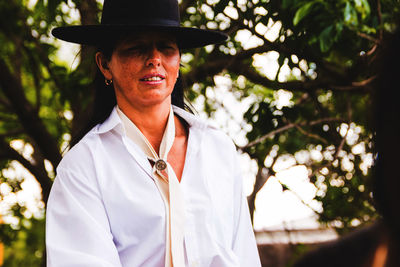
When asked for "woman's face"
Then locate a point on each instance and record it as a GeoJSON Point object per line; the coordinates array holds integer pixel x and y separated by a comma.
{"type": "Point", "coordinates": [143, 68]}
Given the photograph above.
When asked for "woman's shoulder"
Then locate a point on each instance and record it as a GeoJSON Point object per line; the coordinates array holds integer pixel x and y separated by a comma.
{"type": "Point", "coordinates": [217, 136]}
{"type": "Point", "coordinates": [81, 154]}
{"type": "Point", "coordinates": [205, 128]}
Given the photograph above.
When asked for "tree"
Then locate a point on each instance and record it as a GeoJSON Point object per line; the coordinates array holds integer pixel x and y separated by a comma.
{"type": "Point", "coordinates": [325, 53]}
{"type": "Point", "coordinates": [36, 91]}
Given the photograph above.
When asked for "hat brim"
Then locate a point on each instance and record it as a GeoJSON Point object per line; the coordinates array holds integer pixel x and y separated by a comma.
{"type": "Point", "coordinates": [96, 35]}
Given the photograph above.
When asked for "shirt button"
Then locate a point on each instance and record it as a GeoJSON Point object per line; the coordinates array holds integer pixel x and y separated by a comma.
{"type": "Point", "coordinates": [160, 165]}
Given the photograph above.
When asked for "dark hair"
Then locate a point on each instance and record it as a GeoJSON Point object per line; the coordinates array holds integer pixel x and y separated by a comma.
{"type": "Point", "coordinates": [105, 100]}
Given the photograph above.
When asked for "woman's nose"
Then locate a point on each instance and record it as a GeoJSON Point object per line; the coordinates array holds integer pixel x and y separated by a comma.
{"type": "Point", "coordinates": [154, 57]}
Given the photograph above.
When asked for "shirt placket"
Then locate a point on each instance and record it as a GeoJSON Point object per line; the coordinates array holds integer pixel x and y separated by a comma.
{"type": "Point", "coordinates": [172, 195]}
{"type": "Point", "coordinates": [191, 241]}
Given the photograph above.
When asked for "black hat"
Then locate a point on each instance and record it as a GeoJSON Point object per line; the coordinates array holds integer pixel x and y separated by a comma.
{"type": "Point", "coordinates": [125, 16]}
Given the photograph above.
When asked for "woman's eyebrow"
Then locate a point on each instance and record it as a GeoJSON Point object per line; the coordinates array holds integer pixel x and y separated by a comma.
{"type": "Point", "coordinates": [165, 42]}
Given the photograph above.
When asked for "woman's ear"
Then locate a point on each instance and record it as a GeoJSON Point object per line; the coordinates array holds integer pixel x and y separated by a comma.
{"type": "Point", "coordinates": [102, 63]}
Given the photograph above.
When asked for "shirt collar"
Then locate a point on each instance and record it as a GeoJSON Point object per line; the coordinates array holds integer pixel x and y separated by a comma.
{"type": "Point", "coordinates": [191, 119]}
{"type": "Point", "coordinates": [114, 121]}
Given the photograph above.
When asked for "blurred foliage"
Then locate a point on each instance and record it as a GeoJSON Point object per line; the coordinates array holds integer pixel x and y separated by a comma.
{"type": "Point", "coordinates": [310, 103]}
{"type": "Point", "coordinates": [298, 251]}
{"type": "Point", "coordinates": [27, 246]}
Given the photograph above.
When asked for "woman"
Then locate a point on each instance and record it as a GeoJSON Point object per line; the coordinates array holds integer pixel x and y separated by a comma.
{"type": "Point", "coordinates": [150, 184]}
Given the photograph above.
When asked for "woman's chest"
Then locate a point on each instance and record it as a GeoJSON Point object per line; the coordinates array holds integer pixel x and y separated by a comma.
{"type": "Point", "coordinates": [136, 209]}
{"type": "Point", "coordinates": [137, 212]}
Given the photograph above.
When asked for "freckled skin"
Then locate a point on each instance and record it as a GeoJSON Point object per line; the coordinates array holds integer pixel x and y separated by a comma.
{"type": "Point", "coordinates": [137, 57]}
{"type": "Point", "coordinates": [147, 102]}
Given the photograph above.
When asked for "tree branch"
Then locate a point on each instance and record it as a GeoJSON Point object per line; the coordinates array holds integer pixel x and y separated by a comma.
{"type": "Point", "coordinates": [39, 173]}
{"type": "Point", "coordinates": [301, 86]}
{"type": "Point", "coordinates": [5, 103]}
{"type": "Point", "coordinates": [287, 127]}
{"type": "Point", "coordinates": [368, 37]}
{"type": "Point", "coordinates": [12, 133]}
{"type": "Point", "coordinates": [35, 73]}
{"type": "Point", "coordinates": [261, 178]}
{"type": "Point", "coordinates": [335, 156]}
{"type": "Point", "coordinates": [299, 198]}
{"type": "Point", "coordinates": [311, 135]}
{"type": "Point", "coordinates": [27, 115]}
{"type": "Point", "coordinates": [379, 11]}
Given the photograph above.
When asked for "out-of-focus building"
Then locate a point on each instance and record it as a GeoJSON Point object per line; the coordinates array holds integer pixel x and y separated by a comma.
{"type": "Point", "coordinates": [277, 247]}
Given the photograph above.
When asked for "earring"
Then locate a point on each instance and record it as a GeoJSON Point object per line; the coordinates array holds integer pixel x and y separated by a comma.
{"type": "Point", "coordinates": [108, 82]}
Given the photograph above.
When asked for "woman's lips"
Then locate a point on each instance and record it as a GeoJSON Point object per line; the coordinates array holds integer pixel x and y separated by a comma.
{"type": "Point", "coordinates": [153, 78]}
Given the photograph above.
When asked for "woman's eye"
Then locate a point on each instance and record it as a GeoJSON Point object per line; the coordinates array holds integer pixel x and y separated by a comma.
{"type": "Point", "coordinates": [136, 48]}
{"type": "Point", "coordinates": [167, 46]}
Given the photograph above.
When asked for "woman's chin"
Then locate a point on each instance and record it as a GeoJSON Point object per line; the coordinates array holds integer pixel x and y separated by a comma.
{"type": "Point", "coordinates": [155, 102]}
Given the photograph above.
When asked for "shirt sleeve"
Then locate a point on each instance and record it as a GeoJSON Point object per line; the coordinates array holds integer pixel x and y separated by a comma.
{"type": "Point", "coordinates": [244, 243]}
{"type": "Point", "coordinates": [77, 228]}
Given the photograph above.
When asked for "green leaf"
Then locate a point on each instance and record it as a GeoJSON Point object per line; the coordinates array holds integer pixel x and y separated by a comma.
{"type": "Point", "coordinates": [339, 29]}
{"type": "Point", "coordinates": [362, 6]}
{"type": "Point", "coordinates": [326, 38]}
{"type": "Point", "coordinates": [286, 3]}
{"type": "Point", "coordinates": [302, 12]}
{"type": "Point", "coordinates": [368, 30]}
{"type": "Point", "coordinates": [350, 14]}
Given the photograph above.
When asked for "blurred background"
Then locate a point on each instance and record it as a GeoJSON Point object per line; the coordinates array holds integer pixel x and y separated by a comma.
{"type": "Point", "coordinates": [292, 87]}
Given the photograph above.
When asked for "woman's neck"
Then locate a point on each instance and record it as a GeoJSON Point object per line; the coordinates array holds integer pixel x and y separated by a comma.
{"type": "Point", "coordinates": [151, 121]}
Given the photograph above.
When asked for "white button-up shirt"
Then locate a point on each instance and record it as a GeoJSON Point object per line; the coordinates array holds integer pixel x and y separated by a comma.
{"type": "Point", "coordinates": [106, 210]}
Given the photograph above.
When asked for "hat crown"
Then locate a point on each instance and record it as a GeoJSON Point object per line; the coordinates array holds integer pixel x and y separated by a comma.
{"type": "Point", "coordinates": [141, 12]}
{"type": "Point", "coordinates": [122, 17]}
